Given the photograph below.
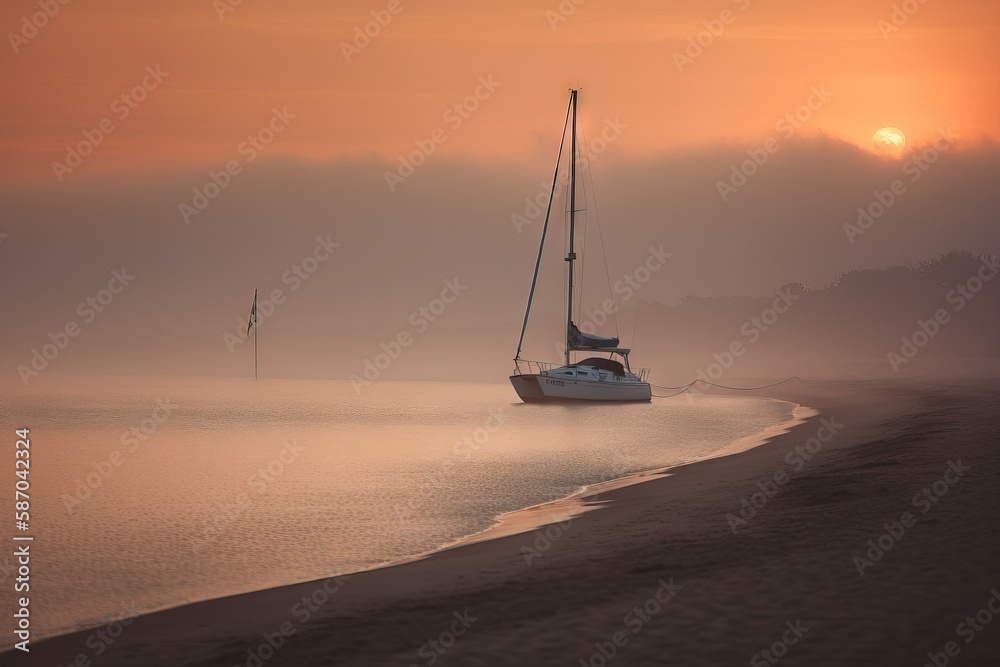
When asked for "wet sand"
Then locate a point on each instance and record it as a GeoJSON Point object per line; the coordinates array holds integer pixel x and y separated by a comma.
{"type": "Point", "coordinates": [758, 557]}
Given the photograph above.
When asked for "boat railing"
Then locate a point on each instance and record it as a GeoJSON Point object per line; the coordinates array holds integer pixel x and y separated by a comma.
{"type": "Point", "coordinates": [526, 367]}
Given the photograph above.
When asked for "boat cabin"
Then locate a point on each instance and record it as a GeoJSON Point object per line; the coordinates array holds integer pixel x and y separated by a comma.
{"type": "Point", "coordinates": [610, 365]}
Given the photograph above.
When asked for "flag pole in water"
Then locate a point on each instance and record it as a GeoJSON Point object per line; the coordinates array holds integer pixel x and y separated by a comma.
{"type": "Point", "coordinates": [255, 334]}
{"type": "Point", "coordinates": [252, 324]}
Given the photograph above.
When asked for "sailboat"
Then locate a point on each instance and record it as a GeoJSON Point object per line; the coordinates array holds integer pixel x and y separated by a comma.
{"type": "Point", "coordinates": [596, 377]}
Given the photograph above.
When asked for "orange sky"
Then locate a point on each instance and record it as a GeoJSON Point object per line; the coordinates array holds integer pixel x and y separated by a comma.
{"type": "Point", "coordinates": [940, 68]}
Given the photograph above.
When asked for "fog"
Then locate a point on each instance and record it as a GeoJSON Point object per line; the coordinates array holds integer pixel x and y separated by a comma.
{"type": "Point", "coordinates": [469, 224]}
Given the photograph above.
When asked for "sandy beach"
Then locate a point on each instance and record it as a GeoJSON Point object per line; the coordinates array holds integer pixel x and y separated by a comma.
{"type": "Point", "coordinates": [863, 535]}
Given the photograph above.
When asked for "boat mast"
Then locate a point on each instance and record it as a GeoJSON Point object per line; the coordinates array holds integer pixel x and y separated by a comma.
{"type": "Point", "coordinates": [571, 255]}
{"type": "Point", "coordinates": [545, 229]}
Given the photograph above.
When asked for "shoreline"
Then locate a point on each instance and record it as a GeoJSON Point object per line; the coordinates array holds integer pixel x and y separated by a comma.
{"type": "Point", "coordinates": [539, 603]}
{"type": "Point", "coordinates": [567, 508]}
{"type": "Point", "coordinates": [515, 522]}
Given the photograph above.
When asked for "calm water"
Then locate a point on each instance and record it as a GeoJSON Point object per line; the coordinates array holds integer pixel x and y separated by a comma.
{"type": "Point", "coordinates": [240, 486]}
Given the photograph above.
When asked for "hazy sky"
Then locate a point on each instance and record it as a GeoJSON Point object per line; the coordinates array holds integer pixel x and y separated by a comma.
{"type": "Point", "coordinates": [939, 67]}
{"type": "Point", "coordinates": [117, 115]}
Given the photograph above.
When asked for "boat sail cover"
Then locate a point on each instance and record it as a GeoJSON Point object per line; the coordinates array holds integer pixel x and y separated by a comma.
{"type": "Point", "coordinates": [579, 340]}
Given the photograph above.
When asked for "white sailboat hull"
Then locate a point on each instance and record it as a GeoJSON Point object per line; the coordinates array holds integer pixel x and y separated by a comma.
{"type": "Point", "coordinates": [536, 388]}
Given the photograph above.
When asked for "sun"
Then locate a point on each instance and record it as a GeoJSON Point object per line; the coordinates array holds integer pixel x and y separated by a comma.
{"type": "Point", "coordinates": [888, 141]}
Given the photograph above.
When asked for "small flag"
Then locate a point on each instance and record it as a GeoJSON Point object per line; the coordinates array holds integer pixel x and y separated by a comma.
{"type": "Point", "coordinates": [253, 313]}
